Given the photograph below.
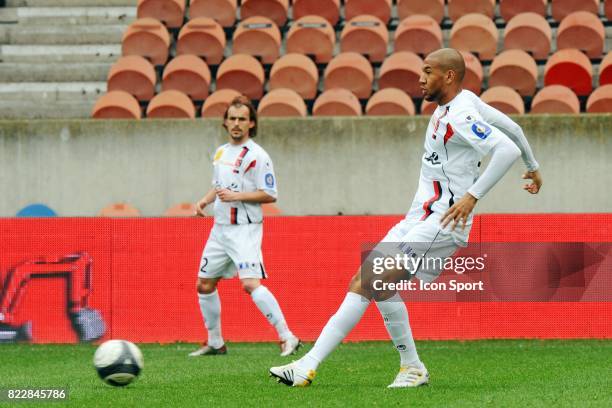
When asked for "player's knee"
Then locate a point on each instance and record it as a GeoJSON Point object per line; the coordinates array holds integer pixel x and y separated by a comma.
{"type": "Point", "coordinates": [249, 285]}
{"type": "Point", "coordinates": [356, 286]}
{"type": "Point", "coordinates": [206, 286]}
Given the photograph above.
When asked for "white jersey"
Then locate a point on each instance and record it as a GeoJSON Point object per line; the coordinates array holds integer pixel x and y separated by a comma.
{"type": "Point", "coordinates": [242, 168]}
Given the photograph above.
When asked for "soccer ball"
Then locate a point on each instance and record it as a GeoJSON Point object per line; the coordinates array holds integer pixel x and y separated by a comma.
{"type": "Point", "coordinates": [118, 362]}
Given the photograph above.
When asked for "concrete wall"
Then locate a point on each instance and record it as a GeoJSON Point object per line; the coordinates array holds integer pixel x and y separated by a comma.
{"type": "Point", "coordinates": [324, 166]}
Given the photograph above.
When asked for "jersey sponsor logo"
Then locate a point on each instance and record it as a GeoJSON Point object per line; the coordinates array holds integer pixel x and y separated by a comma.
{"type": "Point", "coordinates": [218, 155]}
{"type": "Point", "coordinates": [469, 118]}
{"type": "Point", "coordinates": [433, 158]}
{"type": "Point", "coordinates": [481, 130]}
{"type": "Point", "coordinates": [269, 180]}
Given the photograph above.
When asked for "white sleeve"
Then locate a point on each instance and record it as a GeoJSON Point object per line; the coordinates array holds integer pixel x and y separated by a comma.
{"type": "Point", "coordinates": [265, 179]}
{"type": "Point", "coordinates": [503, 155]}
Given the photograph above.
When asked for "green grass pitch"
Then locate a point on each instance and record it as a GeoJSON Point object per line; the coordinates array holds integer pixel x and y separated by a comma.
{"type": "Point", "coordinates": [496, 373]}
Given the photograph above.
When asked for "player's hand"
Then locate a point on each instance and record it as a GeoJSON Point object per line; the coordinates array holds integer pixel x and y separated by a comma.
{"type": "Point", "coordinates": [228, 196]}
{"type": "Point", "coordinates": [536, 181]}
{"type": "Point", "coordinates": [459, 212]}
{"type": "Point", "coordinates": [200, 205]}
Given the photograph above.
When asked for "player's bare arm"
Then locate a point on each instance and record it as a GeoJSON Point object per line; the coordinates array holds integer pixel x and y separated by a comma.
{"type": "Point", "coordinates": [536, 181]}
{"type": "Point", "coordinates": [207, 199]}
{"type": "Point", "coordinates": [258, 196]}
{"type": "Point", "coordinates": [460, 211]}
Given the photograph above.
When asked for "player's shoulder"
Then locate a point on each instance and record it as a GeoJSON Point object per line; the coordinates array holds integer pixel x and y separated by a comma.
{"type": "Point", "coordinates": [219, 151]}
{"type": "Point", "coordinates": [257, 149]}
{"type": "Point", "coordinates": [464, 110]}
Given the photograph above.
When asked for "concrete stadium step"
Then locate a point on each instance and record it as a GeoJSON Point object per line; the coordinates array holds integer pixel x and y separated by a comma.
{"type": "Point", "coordinates": [58, 72]}
{"type": "Point", "coordinates": [52, 91]}
{"type": "Point", "coordinates": [70, 3]}
{"type": "Point", "coordinates": [42, 54]}
{"type": "Point", "coordinates": [44, 109]}
{"type": "Point", "coordinates": [68, 15]}
{"type": "Point", "coordinates": [60, 35]}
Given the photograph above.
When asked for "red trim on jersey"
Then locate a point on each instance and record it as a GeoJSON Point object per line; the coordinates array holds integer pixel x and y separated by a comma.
{"type": "Point", "coordinates": [250, 166]}
{"type": "Point", "coordinates": [238, 163]}
{"type": "Point", "coordinates": [234, 215]}
{"type": "Point", "coordinates": [449, 133]}
{"type": "Point", "coordinates": [429, 203]}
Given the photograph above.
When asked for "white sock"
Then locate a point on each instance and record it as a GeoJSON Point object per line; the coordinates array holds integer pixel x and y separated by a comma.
{"type": "Point", "coordinates": [210, 306]}
{"type": "Point", "coordinates": [269, 307]}
{"type": "Point", "coordinates": [337, 328]}
{"type": "Point", "coordinates": [395, 316]}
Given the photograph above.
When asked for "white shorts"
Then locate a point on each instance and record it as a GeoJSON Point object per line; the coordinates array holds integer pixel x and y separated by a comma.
{"type": "Point", "coordinates": [232, 249]}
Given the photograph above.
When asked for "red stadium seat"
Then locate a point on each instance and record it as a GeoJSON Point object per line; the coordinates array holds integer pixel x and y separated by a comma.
{"type": "Point", "coordinates": [420, 34]}
{"type": "Point", "coordinates": [275, 10]}
{"type": "Point", "coordinates": [216, 104]}
{"type": "Point", "coordinates": [313, 36]}
{"type": "Point", "coordinates": [378, 8]}
{"type": "Point", "coordinates": [171, 104]}
{"type": "Point", "coordinates": [605, 70]}
{"type": "Point", "coordinates": [529, 32]}
{"type": "Point", "coordinates": [148, 38]}
{"type": "Point", "coordinates": [222, 11]}
{"type": "Point", "coordinates": [570, 68]}
{"type": "Point", "coordinates": [475, 33]}
{"type": "Point", "coordinates": [402, 70]}
{"type": "Point", "coordinates": [428, 108]}
{"type": "Point", "coordinates": [181, 210]}
{"type": "Point", "coordinates": [608, 10]}
{"type": "Point", "coordinates": [562, 8]}
{"type": "Point", "coordinates": [515, 69]}
{"type": "Point", "coordinates": [282, 103]}
{"type": "Point", "coordinates": [134, 75]}
{"type": "Point", "coordinates": [459, 8]}
{"type": "Point", "coordinates": [473, 73]}
{"type": "Point", "coordinates": [329, 9]}
{"type": "Point", "coordinates": [337, 102]}
{"type": "Point", "coordinates": [390, 101]}
{"type": "Point", "coordinates": [600, 101]}
{"type": "Point", "coordinates": [584, 31]}
{"type": "Point", "coordinates": [504, 99]}
{"type": "Point", "coordinates": [119, 210]}
{"type": "Point", "coordinates": [351, 71]}
{"type": "Point", "coordinates": [116, 105]}
{"type": "Point", "coordinates": [366, 35]}
{"type": "Point", "coordinates": [297, 72]}
{"type": "Point", "coordinates": [188, 74]}
{"type": "Point", "coordinates": [203, 37]}
{"type": "Point", "coordinates": [259, 37]}
{"type": "Point", "coordinates": [243, 73]}
{"type": "Point", "coordinates": [555, 99]}
{"type": "Point", "coordinates": [510, 8]}
{"type": "Point", "coordinates": [431, 8]}
{"type": "Point", "coordinates": [170, 12]}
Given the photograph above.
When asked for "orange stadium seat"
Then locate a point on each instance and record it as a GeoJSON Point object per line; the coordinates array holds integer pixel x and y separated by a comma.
{"type": "Point", "coordinates": [420, 34]}
{"type": "Point", "coordinates": [337, 102]}
{"type": "Point", "coordinates": [148, 38]}
{"type": "Point", "coordinates": [584, 31]}
{"type": "Point", "coordinates": [510, 8]}
{"type": "Point", "coordinates": [431, 8]}
{"type": "Point", "coordinates": [119, 210]}
{"type": "Point", "coordinates": [222, 11]}
{"type": "Point", "coordinates": [297, 72]}
{"type": "Point", "coordinates": [169, 12]}
{"type": "Point", "coordinates": [259, 37]}
{"type": "Point", "coordinates": [401, 70]}
{"type": "Point", "coordinates": [608, 10]}
{"type": "Point", "coordinates": [428, 108]}
{"type": "Point", "coordinates": [571, 68]}
{"type": "Point", "coordinates": [529, 32]}
{"type": "Point", "coordinates": [515, 69]}
{"type": "Point", "coordinates": [328, 9]}
{"type": "Point", "coordinates": [562, 8]}
{"type": "Point", "coordinates": [313, 36]}
{"type": "Point", "coordinates": [555, 99]}
{"type": "Point", "coordinates": [203, 37]}
{"type": "Point", "coordinates": [459, 8]}
{"type": "Point", "coordinates": [116, 105]}
{"type": "Point", "coordinates": [171, 104]}
{"type": "Point", "coordinates": [605, 70]}
{"type": "Point", "coordinates": [188, 74]}
{"type": "Point", "coordinates": [275, 10]}
{"type": "Point", "coordinates": [366, 35]}
{"type": "Point", "coordinates": [181, 210]}
{"type": "Point", "coordinates": [351, 71]}
{"type": "Point", "coordinates": [215, 105]}
{"type": "Point", "coordinates": [378, 8]}
{"type": "Point", "coordinates": [504, 99]}
{"type": "Point", "coordinates": [243, 73]}
{"type": "Point", "coordinates": [134, 75]}
{"type": "Point", "coordinates": [600, 101]}
{"type": "Point", "coordinates": [390, 101]}
{"type": "Point", "coordinates": [473, 73]}
{"type": "Point", "coordinates": [282, 102]}
{"type": "Point", "coordinates": [476, 33]}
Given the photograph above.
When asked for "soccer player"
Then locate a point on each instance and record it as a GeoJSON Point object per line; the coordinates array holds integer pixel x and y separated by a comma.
{"type": "Point", "coordinates": [243, 179]}
{"type": "Point", "coordinates": [462, 130]}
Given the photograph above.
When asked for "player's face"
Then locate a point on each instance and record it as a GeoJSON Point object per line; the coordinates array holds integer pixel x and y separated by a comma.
{"type": "Point", "coordinates": [431, 81]}
{"type": "Point", "coordinates": [238, 124]}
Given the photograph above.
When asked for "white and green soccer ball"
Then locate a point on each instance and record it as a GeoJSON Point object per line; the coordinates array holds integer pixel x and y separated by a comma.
{"type": "Point", "coordinates": [118, 362]}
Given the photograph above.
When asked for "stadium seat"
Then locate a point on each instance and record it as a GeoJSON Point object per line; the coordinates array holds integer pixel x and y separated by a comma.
{"type": "Point", "coordinates": [510, 8]}
{"type": "Point", "coordinates": [515, 69]}
{"type": "Point", "coordinates": [584, 31]}
{"type": "Point", "coordinates": [420, 34]}
{"type": "Point", "coordinates": [169, 12]}
{"type": "Point", "coordinates": [148, 38]}
{"type": "Point", "coordinates": [431, 8]}
{"type": "Point", "coordinates": [119, 210]}
{"type": "Point", "coordinates": [181, 210]}
{"type": "Point", "coordinates": [36, 210]}
{"type": "Point", "coordinates": [328, 9]}
{"type": "Point", "coordinates": [428, 108]}
{"type": "Point", "coordinates": [529, 32]}
{"type": "Point", "coordinates": [600, 101]}
{"type": "Point", "coordinates": [476, 33]}
{"type": "Point", "coordinates": [222, 11]}
{"type": "Point", "coordinates": [282, 102]}
{"type": "Point", "coordinates": [504, 99]}
{"type": "Point", "coordinates": [215, 105]}
{"type": "Point", "coordinates": [378, 8]}
{"type": "Point", "coordinates": [188, 74]}
{"type": "Point", "coordinates": [571, 68]}
{"type": "Point", "coordinates": [473, 72]}
{"type": "Point", "coordinates": [390, 101]}
{"type": "Point", "coordinates": [459, 8]}
{"type": "Point", "coordinates": [275, 10]}
{"type": "Point", "coordinates": [259, 37]}
{"type": "Point", "coordinates": [605, 70]}
{"type": "Point", "coordinates": [337, 102]}
{"type": "Point", "coordinates": [171, 104]}
{"type": "Point", "coordinates": [562, 8]}
{"type": "Point", "coordinates": [608, 10]}
{"type": "Point", "coordinates": [297, 72]}
{"type": "Point", "coordinates": [243, 73]}
{"type": "Point", "coordinates": [351, 71]}
{"type": "Point", "coordinates": [366, 35]}
{"type": "Point", "coordinates": [555, 99]}
{"type": "Point", "coordinates": [402, 70]}
{"type": "Point", "coordinates": [313, 36]}
{"type": "Point", "coordinates": [203, 37]}
{"type": "Point", "coordinates": [116, 105]}
{"type": "Point", "coordinates": [134, 75]}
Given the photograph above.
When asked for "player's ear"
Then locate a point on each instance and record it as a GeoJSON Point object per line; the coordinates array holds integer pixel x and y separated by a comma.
{"type": "Point", "coordinates": [251, 124]}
